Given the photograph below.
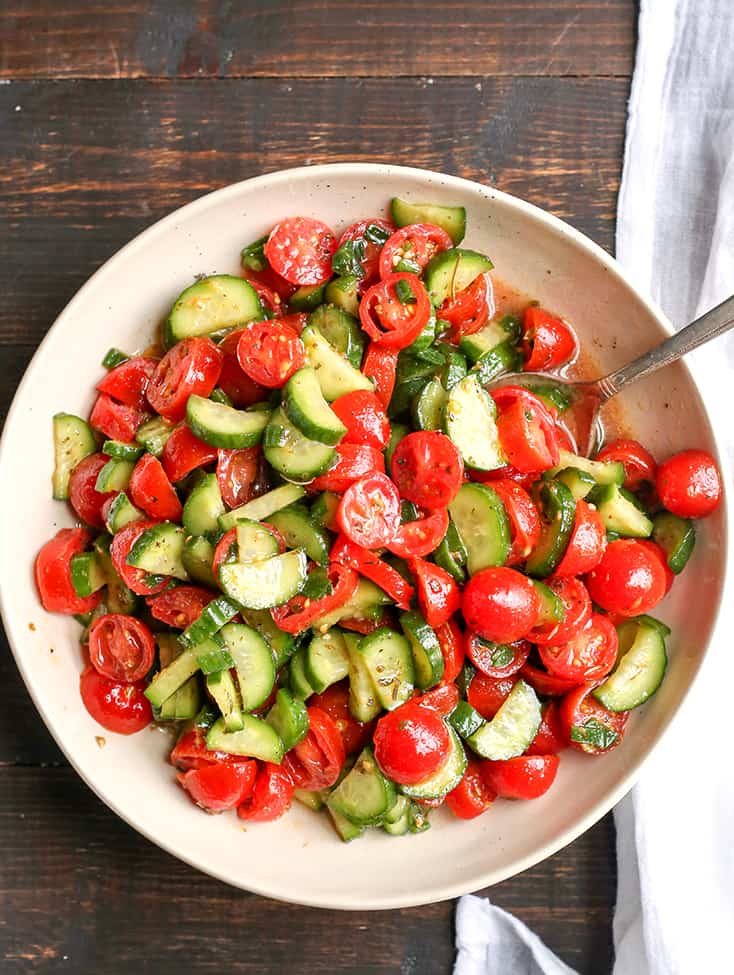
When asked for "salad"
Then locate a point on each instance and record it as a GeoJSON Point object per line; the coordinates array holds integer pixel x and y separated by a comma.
{"type": "Point", "coordinates": [315, 546]}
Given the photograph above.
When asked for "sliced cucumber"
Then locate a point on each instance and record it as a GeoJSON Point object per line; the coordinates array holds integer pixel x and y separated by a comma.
{"type": "Point", "coordinates": [120, 513]}
{"type": "Point", "coordinates": [428, 406]}
{"type": "Point", "coordinates": [470, 420]}
{"type": "Point", "coordinates": [427, 656]}
{"type": "Point", "coordinates": [446, 778]}
{"type": "Point", "coordinates": [603, 472]}
{"type": "Point", "coordinates": [578, 482]}
{"type": "Point", "coordinates": [550, 605]}
{"type": "Point", "coordinates": [450, 219]}
{"type": "Point", "coordinates": [367, 603]}
{"type": "Point", "coordinates": [396, 820]}
{"type": "Point", "coordinates": [453, 270]}
{"type": "Point", "coordinates": [253, 663]}
{"type": "Point", "coordinates": [154, 435]}
{"type": "Point", "coordinates": [465, 720]}
{"type": "Point", "coordinates": [167, 681]}
{"type": "Point", "coordinates": [289, 718]}
{"type": "Point", "coordinates": [483, 526]}
{"type": "Point", "coordinates": [121, 451]}
{"type": "Point", "coordinates": [224, 426]}
{"type": "Point", "coordinates": [345, 830]}
{"type": "Point", "coordinates": [323, 511]}
{"type": "Point", "coordinates": [119, 598]}
{"type": "Point", "coordinates": [676, 536]}
{"type": "Point", "coordinates": [389, 661]}
{"type": "Point", "coordinates": [454, 368]}
{"type": "Point", "coordinates": [299, 530]}
{"type": "Point", "coordinates": [292, 453]}
{"type": "Point", "coordinates": [183, 704]}
{"type": "Point", "coordinates": [282, 644]}
{"type": "Point", "coordinates": [342, 292]}
{"type": "Point", "coordinates": [364, 795]}
{"type": "Point", "coordinates": [262, 585]}
{"type": "Point", "coordinates": [397, 432]}
{"type": "Point", "coordinates": [256, 739]}
{"type": "Point", "coordinates": [73, 441]}
{"type": "Point", "coordinates": [305, 406]}
{"type": "Point", "coordinates": [451, 554]}
{"type": "Point", "coordinates": [210, 621]}
{"type": "Point", "coordinates": [503, 358]}
{"type": "Point", "coordinates": [341, 330]}
{"type": "Point", "coordinates": [210, 305]}
{"type": "Point", "coordinates": [493, 334]}
{"type": "Point", "coordinates": [87, 574]}
{"type": "Point", "coordinates": [640, 668]}
{"type": "Point", "coordinates": [363, 701]}
{"type": "Point", "coordinates": [223, 691]}
{"type": "Point", "coordinates": [336, 373]}
{"type": "Point", "coordinates": [203, 507]}
{"type": "Point", "coordinates": [326, 660]}
{"type": "Point", "coordinates": [423, 344]}
{"type": "Point", "coordinates": [255, 542]}
{"type": "Point", "coordinates": [297, 679]}
{"type": "Point", "coordinates": [311, 800]}
{"type": "Point", "coordinates": [260, 509]}
{"type": "Point", "coordinates": [159, 551]}
{"type": "Point", "coordinates": [307, 297]}
{"type": "Point", "coordinates": [213, 655]}
{"type": "Point", "coordinates": [197, 558]}
{"type": "Point", "coordinates": [620, 513]}
{"type": "Point", "coordinates": [558, 513]}
{"type": "Point", "coordinates": [114, 476]}
{"type": "Point", "coordinates": [512, 729]}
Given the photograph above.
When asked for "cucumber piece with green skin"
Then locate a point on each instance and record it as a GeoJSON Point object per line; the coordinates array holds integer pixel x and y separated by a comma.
{"type": "Point", "coordinates": [389, 660]}
{"type": "Point", "coordinates": [418, 818]}
{"type": "Point", "coordinates": [363, 701]}
{"type": "Point", "coordinates": [341, 330]}
{"type": "Point", "coordinates": [87, 619]}
{"type": "Point", "coordinates": [213, 655]}
{"type": "Point", "coordinates": [184, 704]}
{"type": "Point", "coordinates": [550, 605]}
{"type": "Point", "coordinates": [121, 512]}
{"type": "Point", "coordinates": [428, 406]}
{"type": "Point", "coordinates": [483, 526]}
{"type": "Point", "coordinates": [557, 516]}
{"type": "Point", "coordinates": [323, 510]}
{"type": "Point", "coordinates": [289, 718]}
{"type": "Point", "coordinates": [119, 598]}
{"type": "Point", "coordinates": [167, 681]}
{"type": "Point", "coordinates": [554, 395]}
{"type": "Point", "coordinates": [282, 644]}
{"type": "Point", "coordinates": [677, 538]}
{"type": "Point", "coordinates": [470, 422]}
{"type": "Point", "coordinates": [326, 660]}
{"type": "Point", "coordinates": [397, 432]}
{"type": "Point", "coordinates": [297, 679]}
{"type": "Point", "coordinates": [159, 551]}
{"type": "Point", "coordinates": [311, 800]}
{"type": "Point", "coordinates": [307, 297]}
{"type": "Point", "coordinates": [168, 646]}
{"type": "Point", "coordinates": [253, 663]}
{"type": "Point", "coordinates": [427, 656]}
{"type": "Point", "coordinates": [223, 426]}
{"type": "Point", "coordinates": [255, 542]}
{"type": "Point", "coordinates": [454, 368]}
{"type": "Point", "coordinates": [450, 219]}
{"type": "Point", "coordinates": [640, 667]}
{"type": "Point", "coordinates": [210, 621]}
{"type": "Point", "coordinates": [465, 720]}
{"type": "Point", "coordinates": [603, 472]}
{"type": "Point", "coordinates": [197, 558]}
{"type": "Point", "coordinates": [73, 441]}
{"type": "Point", "coordinates": [364, 795]}
{"type": "Point", "coordinates": [219, 396]}
{"type": "Point", "coordinates": [492, 335]}
{"type": "Point", "coordinates": [426, 338]}
{"type": "Point", "coordinates": [203, 507]}
{"type": "Point", "coordinates": [451, 554]}
{"type": "Point", "coordinates": [397, 820]}
{"type": "Point", "coordinates": [305, 406]}
{"type": "Point", "coordinates": [114, 476]}
{"type": "Point", "coordinates": [336, 373]}
{"type": "Point", "coordinates": [121, 451]}
{"type": "Point", "coordinates": [153, 435]}
{"type": "Point", "coordinates": [292, 453]}
{"type": "Point", "coordinates": [345, 830]}
{"type": "Point", "coordinates": [505, 358]}
{"type": "Point", "coordinates": [253, 255]}
{"type": "Point", "coordinates": [446, 777]}
{"type": "Point", "coordinates": [620, 512]}
{"type": "Point", "coordinates": [218, 302]}
{"type": "Point", "coordinates": [342, 292]}
{"type": "Point", "coordinates": [223, 690]}
{"type": "Point", "coordinates": [453, 270]}
{"type": "Point", "coordinates": [513, 727]}
{"type": "Point", "coordinates": [367, 603]}
{"type": "Point", "coordinates": [256, 739]}
{"type": "Point", "coordinates": [87, 575]}
{"type": "Point", "coordinates": [260, 509]}
{"type": "Point", "coordinates": [114, 357]}
{"type": "Point", "coordinates": [262, 585]}
{"type": "Point", "coordinates": [578, 482]}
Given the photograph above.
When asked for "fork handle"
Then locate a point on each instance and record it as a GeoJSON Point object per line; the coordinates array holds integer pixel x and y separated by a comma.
{"type": "Point", "coordinates": [709, 326]}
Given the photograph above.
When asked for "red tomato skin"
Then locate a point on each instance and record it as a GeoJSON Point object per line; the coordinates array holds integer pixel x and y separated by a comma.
{"type": "Point", "coordinates": [122, 543]}
{"type": "Point", "coordinates": [411, 743]}
{"type": "Point", "coordinates": [237, 473]}
{"type": "Point", "coordinates": [53, 576]}
{"type": "Point", "coordinates": [421, 537]}
{"type": "Point", "coordinates": [629, 580]}
{"type": "Point", "coordinates": [689, 484]}
{"type": "Point", "coordinates": [190, 751]}
{"type": "Point", "coordinates": [522, 440]}
{"type": "Point", "coordinates": [300, 249]}
{"type": "Point", "coordinates": [316, 761]}
{"type": "Point", "coordinates": [438, 595]}
{"type": "Point", "coordinates": [548, 342]}
{"type": "Point", "coordinates": [110, 636]}
{"type": "Point", "coordinates": [487, 694]}
{"type": "Point", "coordinates": [639, 464]}
{"type": "Point", "coordinates": [353, 462]}
{"type": "Point", "coordinates": [658, 552]}
{"type": "Point", "coordinates": [272, 285]}
{"type": "Point", "coordinates": [184, 452]}
{"type": "Point", "coordinates": [85, 499]}
{"type": "Point", "coordinates": [525, 777]}
{"type": "Point", "coordinates": [442, 699]}
{"type": "Point", "coordinates": [179, 607]}
{"type": "Point", "coordinates": [451, 641]}
{"type": "Point", "coordinates": [151, 490]}
{"type": "Point", "coordinates": [369, 511]}
{"type": "Point", "coordinates": [523, 515]}
{"type": "Point", "coordinates": [270, 351]}
{"type": "Point", "coordinates": [219, 785]}
{"type": "Point", "coordinates": [121, 708]}
{"type": "Point", "coordinates": [225, 550]}
{"type": "Point", "coordinates": [469, 310]}
{"type": "Point", "coordinates": [233, 381]}
{"type": "Point", "coordinates": [471, 797]}
{"type": "Point", "coordinates": [363, 415]}
{"type": "Point", "coordinates": [380, 364]}
{"type": "Point", "coordinates": [545, 683]}
{"type": "Point", "coordinates": [191, 367]}
{"type": "Point", "coordinates": [427, 469]}
{"type": "Point", "coordinates": [500, 604]}
{"type": "Point", "coordinates": [298, 614]}
{"type": "Point", "coordinates": [128, 382]}
{"type": "Point", "coordinates": [334, 701]}
{"type": "Point", "coordinates": [587, 543]}
{"type": "Point", "coordinates": [481, 657]}
{"type": "Point", "coordinates": [577, 707]}
{"type": "Point", "coordinates": [424, 240]}
{"type": "Point", "coordinates": [369, 565]}
{"type": "Point", "coordinates": [577, 605]}
{"type": "Point", "coordinates": [387, 320]}
{"type": "Point", "coordinates": [589, 656]}
{"type": "Point", "coordinates": [115, 420]}
{"type": "Point", "coordinates": [271, 796]}
{"type": "Point", "coordinates": [550, 738]}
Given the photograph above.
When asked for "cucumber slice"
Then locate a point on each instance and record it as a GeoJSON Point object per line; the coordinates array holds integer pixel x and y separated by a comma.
{"type": "Point", "coordinates": [121, 451]}
{"type": "Point", "coordinates": [512, 729]}
{"type": "Point", "coordinates": [453, 270]}
{"type": "Point", "coordinates": [578, 482]}
{"type": "Point", "coordinates": [159, 551]}
{"type": "Point", "coordinates": [87, 575]}
{"type": "Point", "coordinates": [262, 585]}
{"type": "Point", "coordinates": [483, 526]}
{"type": "Point", "coordinates": [154, 435]}
{"type": "Point", "coordinates": [210, 305]}
{"type": "Point", "coordinates": [342, 292]}
{"type": "Point", "coordinates": [255, 542]}
{"type": "Point", "coordinates": [640, 667]}
{"type": "Point", "coordinates": [326, 660]}
{"type": "Point", "coordinates": [557, 514]}
{"type": "Point", "coordinates": [620, 513]}
{"type": "Point", "coordinates": [397, 432]}
{"type": "Point", "coordinates": [364, 795]}
{"type": "Point", "coordinates": [73, 441]}
{"type": "Point", "coordinates": [450, 219]}
{"type": "Point", "coordinates": [465, 720]}
{"type": "Point", "coordinates": [429, 405]}
{"type": "Point", "coordinates": [120, 513]}
{"type": "Point", "coordinates": [363, 702]}
{"type": "Point", "coordinates": [341, 330]}
{"type": "Point", "coordinates": [167, 681]}
{"type": "Point", "coordinates": [210, 621]}
{"type": "Point", "coordinates": [389, 661]}
{"type": "Point", "coordinates": [297, 679]}
{"type": "Point", "coordinates": [224, 426]}
{"type": "Point", "coordinates": [253, 662]}
{"type": "Point", "coordinates": [307, 297]}
{"type": "Point", "coordinates": [492, 335]}
{"type": "Point", "coordinates": [203, 507]}
{"type": "Point", "coordinates": [603, 472]}
{"type": "Point", "coordinates": [305, 406]}
{"type": "Point", "coordinates": [299, 530]}
{"type": "Point", "coordinates": [503, 358]}
{"type": "Point", "coordinates": [336, 373]}
{"type": "Point", "coordinates": [289, 718]}
{"type": "Point", "coordinates": [323, 511]}
{"type": "Point", "coordinates": [451, 554]}
{"type": "Point", "coordinates": [676, 536]}
{"type": "Point", "coordinates": [446, 778]}
{"type": "Point", "coordinates": [256, 739]}
{"type": "Point", "coordinates": [427, 656]}
{"type": "Point", "coordinates": [311, 800]}
{"type": "Point", "coordinates": [550, 605]}
{"type": "Point", "coordinates": [223, 690]}
{"type": "Point", "coordinates": [184, 704]}
{"type": "Point", "coordinates": [282, 644]}
{"type": "Point", "coordinates": [470, 423]}
{"type": "Point", "coordinates": [119, 598]}
{"type": "Point", "coordinates": [260, 509]}
{"type": "Point", "coordinates": [454, 368]}
{"type": "Point", "coordinates": [213, 656]}
{"type": "Point", "coordinates": [114, 476]}
{"type": "Point", "coordinates": [396, 821]}
{"type": "Point", "coordinates": [426, 338]}
{"type": "Point", "coordinates": [293, 454]}
{"type": "Point", "coordinates": [345, 830]}
{"type": "Point", "coordinates": [366, 604]}
{"type": "Point", "coordinates": [197, 557]}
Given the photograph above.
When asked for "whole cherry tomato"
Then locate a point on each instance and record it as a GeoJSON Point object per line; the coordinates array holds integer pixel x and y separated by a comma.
{"type": "Point", "coordinates": [119, 707]}
{"type": "Point", "coordinates": [500, 604]}
{"type": "Point", "coordinates": [629, 579]}
{"type": "Point", "coordinates": [411, 743]}
{"type": "Point", "coordinates": [689, 484]}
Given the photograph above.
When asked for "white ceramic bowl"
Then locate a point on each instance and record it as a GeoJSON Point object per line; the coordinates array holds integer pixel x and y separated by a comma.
{"type": "Point", "coordinates": [299, 858]}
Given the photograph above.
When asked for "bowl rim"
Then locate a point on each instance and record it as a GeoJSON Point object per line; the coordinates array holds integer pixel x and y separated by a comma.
{"type": "Point", "coordinates": [560, 227]}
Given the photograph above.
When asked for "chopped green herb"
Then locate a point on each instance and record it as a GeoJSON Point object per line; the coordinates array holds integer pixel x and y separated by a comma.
{"type": "Point", "coordinates": [317, 585]}
{"type": "Point", "coordinates": [408, 266]}
{"type": "Point", "coordinates": [376, 234]}
{"type": "Point", "coordinates": [253, 256]}
{"type": "Point", "coordinates": [404, 292]}
{"type": "Point", "coordinates": [593, 732]}
{"type": "Point", "coordinates": [502, 655]}
{"type": "Point", "coordinates": [348, 259]}
{"type": "Point", "coordinates": [113, 358]}
{"type": "Point", "coordinates": [219, 396]}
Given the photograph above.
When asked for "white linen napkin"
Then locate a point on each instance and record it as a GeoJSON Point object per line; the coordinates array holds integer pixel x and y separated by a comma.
{"type": "Point", "coordinates": [675, 236]}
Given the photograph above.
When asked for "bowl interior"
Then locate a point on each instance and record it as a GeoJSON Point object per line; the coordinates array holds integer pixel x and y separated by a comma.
{"type": "Point", "coordinates": [299, 857]}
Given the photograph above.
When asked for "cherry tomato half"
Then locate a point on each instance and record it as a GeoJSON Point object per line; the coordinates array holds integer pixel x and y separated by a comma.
{"type": "Point", "coordinates": [412, 247]}
{"type": "Point", "coordinates": [115, 420]}
{"type": "Point", "coordinates": [550, 738]}
{"type": "Point", "coordinates": [496, 659]}
{"type": "Point", "coordinates": [525, 777]}
{"type": "Point", "coordinates": [629, 579]}
{"type": "Point", "coordinates": [639, 464]}
{"type": "Point", "coordinates": [451, 641]}
{"type": "Point", "coordinates": [316, 761]}
{"type": "Point", "coordinates": [689, 484]}
{"type": "Point", "coordinates": [438, 595]}
{"type": "Point", "coordinates": [53, 575]}
{"type": "Point", "coordinates": [364, 416]}
{"type": "Point", "coordinates": [184, 452]}
{"type": "Point", "coordinates": [547, 342]}
{"type": "Point", "coordinates": [395, 311]}
{"type": "Point", "coordinates": [121, 647]}
{"type": "Point", "coordinates": [523, 515]}
{"type": "Point", "coordinates": [487, 694]}
{"type": "Point", "coordinates": [128, 382]}
{"type": "Point", "coordinates": [470, 309]}
{"type": "Point", "coordinates": [120, 708]}
{"type": "Point", "coordinates": [85, 499]}
{"type": "Point", "coordinates": [427, 469]}
{"type": "Point", "coordinates": [420, 537]}
{"type": "Point", "coordinates": [369, 511]}
{"type": "Point", "coordinates": [371, 260]}
{"type": "Point", "coordinates": [334, 701]}
{"type": "Point", "coordinates": [500, 604]}
{"type": "Point", "coordinates": [472, 796]}
{"type": "Point", "coordinates": [380, 364]}
{"type": "Point", "coordinates": [353, 461]}
{"type": "Point", "coordinates": [441, 699]}
{"type": "Point", "coordinates": [233, 381]}
{"type": "Point", "coordinates": [300, 249]}
{"type": "Point", "coordinates": [588, 656]}
{"type": "Point", "coordinates": [371, 566]}
{"type": "Point", "coordinates": [586, 545]}
{"type": "Point", "coordinates": [587, 725]}
{"type": "Point", "coordinates": [138, 580]}
{"type": "Point", "coordinates": [526, 438]}
{"type": "Point", "coordinates": [219, 785]}
{"type": "Point", "coordinates": [237, 474]}
{"type": "Point", "coordinates": [179, 607]}
{"type": "Point", "coordinates": [545, 683]}
{"type": "Point", "coordinates": [190, 367]}
{"type": "Point", "coordinates": [151, 490]}
{"type": "Point", "coordinates": [271, 796]}
{"type": "Point", "coordinates": [299, 613]}
{"type": "Point", "coordinates": [269, 352]}
{"type": "Point", "coordinates": [577, 610]}
{"type": "Point", "coordinates": [411, 743]}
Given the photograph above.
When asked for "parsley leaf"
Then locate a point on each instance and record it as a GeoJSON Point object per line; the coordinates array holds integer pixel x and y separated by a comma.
{"type": "Point", "coordinates": [253, 256]}
{"type": "Point", "coordinates": [317, 585]}
{"type": "Point", "coordinates": [594, 733]}
{"type": "Point", "coordinates": [502, 655]}
{"type": "Point", "coordinates": [376, 234]}
{"type": "Point", "coordinates": [404, 292]}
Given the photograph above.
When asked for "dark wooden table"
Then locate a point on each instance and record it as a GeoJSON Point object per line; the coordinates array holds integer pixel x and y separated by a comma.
{"type": "Point", "coordinates": [111, 115]}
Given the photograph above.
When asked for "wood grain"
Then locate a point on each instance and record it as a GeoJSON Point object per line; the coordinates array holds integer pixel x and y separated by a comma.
{"type": "Point", "coordinates": [118, 900]}
{"type": "Point", "coordinates": [302, 38]}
